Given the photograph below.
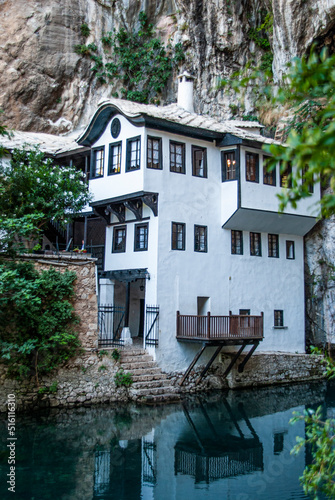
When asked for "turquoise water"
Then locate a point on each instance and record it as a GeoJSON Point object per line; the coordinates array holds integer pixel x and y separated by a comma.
{"type": "Point", "coordinates": [233, 445]}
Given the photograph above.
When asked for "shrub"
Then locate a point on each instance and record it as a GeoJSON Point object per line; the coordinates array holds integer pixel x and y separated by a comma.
{"type": "Point", "coordinates": [37, 320]}
{"type": "Point", "coordinates": [122, 378]}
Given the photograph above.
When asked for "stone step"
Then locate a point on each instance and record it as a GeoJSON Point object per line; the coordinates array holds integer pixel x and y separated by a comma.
{"type": "Point", "coordinates": [151, 383]}
{"type": "Point", "coordinates": [134, 352]}
{"type": "Point", "coordinates": [134, 359]}
{"type": "Point", "coordinates": [155, 391]}
{"type": "Point", "coordinates": [160, 399]}
{"type": "Point", "coordinates": [146, 371]}
{"type": "Point", "coordinates": [149, 365]}
{"type": "Point", "coordinates": [147, 377]}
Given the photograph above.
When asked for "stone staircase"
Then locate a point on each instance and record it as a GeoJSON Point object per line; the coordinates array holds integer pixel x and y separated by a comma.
{"type": "Point", "coordinates": [151, 385]}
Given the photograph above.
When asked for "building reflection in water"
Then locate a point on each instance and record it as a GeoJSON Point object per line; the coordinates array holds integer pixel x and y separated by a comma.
{"type": "Point", "coordinates": [235, 447]}
{"type": "Point", "coordinates": [212, 452]}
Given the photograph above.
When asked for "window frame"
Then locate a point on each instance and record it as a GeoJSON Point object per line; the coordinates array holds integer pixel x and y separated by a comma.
{"type": "Point", "coordinates": [288, 244]}
{"type": "Point", "coordinates": [278, 319]}
{"type": "Point", "coordinates": [174, 241]}
{"type": "Point", "coordinates": [197, 236]}
{"type": "Point", "coordinates": [252, 244]}
{"type": "Point", "coordinates": [283, 173]}
{"type": "Point", "coordinates": [273, 246]}
{"type": "Point", "coordinates": [310, 185]}
{"type": "Point", "coordinates": [160, 156]}
{"type": "Point", "coordinates": [194, 150]}
{"type": "Point", "coordinates": [131, 141]}
{"type": "Point", "coordinates": [94, 162]}
{"type": "Point", "coordinates": [174, 168]}
{"type": "Point", "coordinates": [116, 229]}
{"type": "Point", "coordinates": [234, 243]}
{"type": "Point", "coordinates": [224, 163]}
{"type": "Point", "coordinates": [247, 167]}
{"type": "Point", "coordinates": [110, 157]}
{"type": "Point", "coordinates": [137, 247]}
{"type": "Point", "coordinates": [269, 177]}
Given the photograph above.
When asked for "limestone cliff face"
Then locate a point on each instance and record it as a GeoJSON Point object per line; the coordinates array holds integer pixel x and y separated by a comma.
{"type": "Point", "coordinates": [47, 87]}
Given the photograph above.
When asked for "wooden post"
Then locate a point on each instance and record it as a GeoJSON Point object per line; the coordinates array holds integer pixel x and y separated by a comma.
{"type": "Point", "coordinates": [177, 324]}
{"type": "Point", "coordinates": [208, 325]}
{"type": "Point", "coordinates": [262, 315]}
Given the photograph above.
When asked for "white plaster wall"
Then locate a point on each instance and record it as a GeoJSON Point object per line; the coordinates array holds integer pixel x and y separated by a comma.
{"type": "Point", "coordinates": [263, 197]}
{"type": "Point", "coordinates": [229, 199]}
{"type": "Point", "coordinates": [110, 186]}
{"type": "Point", "coordinates": [177, 278]}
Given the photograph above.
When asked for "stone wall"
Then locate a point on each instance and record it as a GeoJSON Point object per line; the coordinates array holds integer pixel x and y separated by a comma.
{"type": "Point", "coordinates": [85, 298]}
{"type": "Point", "coordinates": [89, 380]}
{"type": "Point", "coordinates": [85, 380]}
{"type": "Point", "coordinates": [261, 370]}
{"type": "Point", "coordinates": [271, 369]}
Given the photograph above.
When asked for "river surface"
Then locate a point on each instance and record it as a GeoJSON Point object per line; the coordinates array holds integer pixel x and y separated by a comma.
{"type": "Point", "coordinates": [233, 445]}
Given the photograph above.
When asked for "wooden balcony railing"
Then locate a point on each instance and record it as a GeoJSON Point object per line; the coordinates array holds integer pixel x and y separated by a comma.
{"type": "Point", "coordinates": [219, 327]}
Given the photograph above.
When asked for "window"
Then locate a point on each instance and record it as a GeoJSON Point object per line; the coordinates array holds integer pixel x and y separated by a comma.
{"type": "Point", "coordinates": [255, 244]}
{"type": "Point", "coordinates": [244, 312]}
{"type": "Point", "coordinates": [178, 236]}
{"type": "Point", "coordinates": [237, 242]}
{"type": "Point", "coordinates": [119, 239]}
{"type": "Point", "coordinates": [269, 176]}
{"type": "Point", "coordinates": [114, 164]}
{"type": "Point", "coordinates": [199, 161]}
{"type": "Point", "coordinates": [177, 157]}
{"type": "Point", "coordinates": [251, 167]}
{"type": "Point", "coordinates": [133, 154]}
{"type": "Point", "coordinates": [200, 238]}
{"type": "Point", "coordinates": [307, 179]}
{"type": "Point", "coordinates": [229, 166]}
{"type": "Point", "coordinates": [278, 318]}
{"type": "Point", "coordinates": [290, 250]}
{"type": "Point", "coordinates": [286, 176]}
{"type": "Point", "coordinates": [154, 153]}
{"type": "Point", "coordinates": [278, 443]}
{"type": "Point", "coordinates": [97, 162]}
{"type": "Point", "coordinates": [273, 245]}
{"type": "Point", "coordinates": [141, 237]}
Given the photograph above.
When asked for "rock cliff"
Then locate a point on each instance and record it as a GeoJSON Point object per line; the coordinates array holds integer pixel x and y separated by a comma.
{"type": "Point", "coordinates": [47, 87]}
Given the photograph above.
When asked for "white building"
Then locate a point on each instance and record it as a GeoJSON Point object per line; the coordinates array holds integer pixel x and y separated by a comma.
{"type": "Point", "coordinates": [193, 226]}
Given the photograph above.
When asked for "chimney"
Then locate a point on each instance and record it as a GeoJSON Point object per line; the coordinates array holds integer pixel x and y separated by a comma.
{"type": "Point", "coordinates": [185, 91]}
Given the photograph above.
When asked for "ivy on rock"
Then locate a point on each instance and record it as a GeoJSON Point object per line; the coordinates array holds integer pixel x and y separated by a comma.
{"type": "Point", "coordinates": [138, 59]}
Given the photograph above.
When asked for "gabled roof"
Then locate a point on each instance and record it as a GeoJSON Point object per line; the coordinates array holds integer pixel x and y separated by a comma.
{"type": "Point", "coordinates": [48, 143]}
{"type": "Point", "coordinates": [169, 118]}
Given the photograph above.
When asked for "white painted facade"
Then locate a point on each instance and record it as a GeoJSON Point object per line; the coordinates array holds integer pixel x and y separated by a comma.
{"type": "Point", "coordinates": [197, 282]}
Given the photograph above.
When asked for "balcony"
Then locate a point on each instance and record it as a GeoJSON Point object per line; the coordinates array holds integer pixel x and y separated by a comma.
{"type": "Point", "coordinates": [232, 329]}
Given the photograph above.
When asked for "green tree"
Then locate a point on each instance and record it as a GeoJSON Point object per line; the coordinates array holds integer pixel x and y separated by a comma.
{"type": "Point", "coordinates": [309, 91]}
{"type": "Point", "coordinates": [33, 190]}
{"type": "Point", "coordinates": [37, 320]}
{"type": "Point", "coordinates": [139, 59]}
{"type": "Point", "coordinates": [318, 477]}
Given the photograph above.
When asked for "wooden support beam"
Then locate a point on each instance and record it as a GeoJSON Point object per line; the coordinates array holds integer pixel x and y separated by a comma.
{"type": "Point", "coordinates": [195, 359]}
{"type": "Point", "coordinates": [135, 206]}
{"type": "Point", "coordinates": [209, 364]}
{"type": "Point", "coordinates": [248, 356]}
{"type": "Point", "coordinates": [235, 358]}
{"type": "Point", "coordinates": [117, 209]}
{"type": "Point", "coordinates": [151, 200]}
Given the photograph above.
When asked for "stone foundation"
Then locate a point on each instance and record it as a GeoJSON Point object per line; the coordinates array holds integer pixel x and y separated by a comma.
{"type": "Point", "coordinates": [89, 379]}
